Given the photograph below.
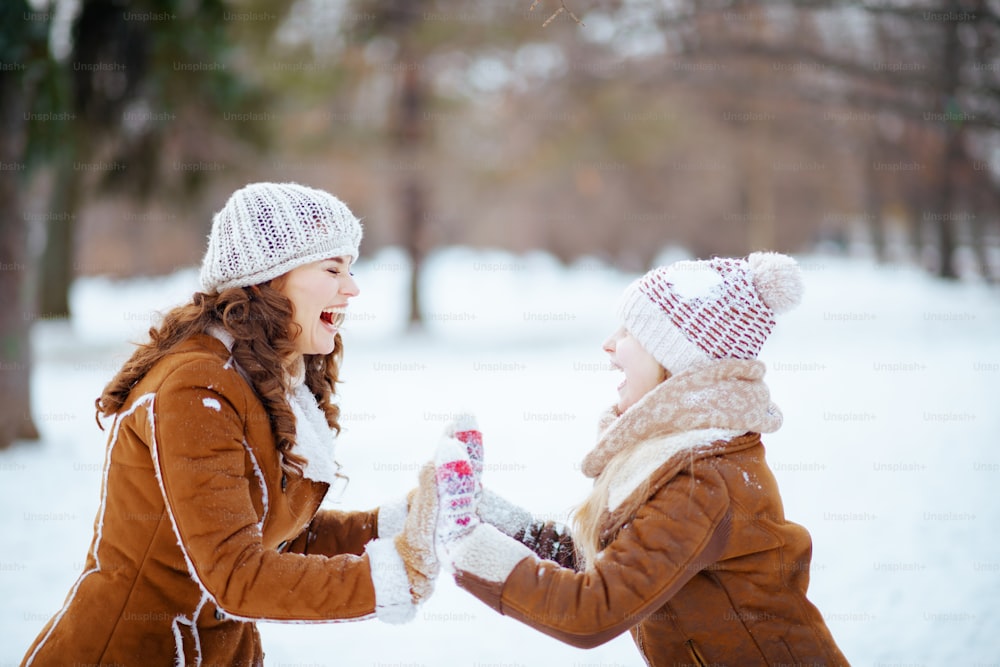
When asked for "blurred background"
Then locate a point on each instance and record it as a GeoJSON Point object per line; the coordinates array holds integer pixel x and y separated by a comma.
{"type": "Point", "coordinates": [593, 138]}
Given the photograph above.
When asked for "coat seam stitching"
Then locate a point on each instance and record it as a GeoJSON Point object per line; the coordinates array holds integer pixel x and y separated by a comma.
{"type": "Point", "coordinates": [113, 441]}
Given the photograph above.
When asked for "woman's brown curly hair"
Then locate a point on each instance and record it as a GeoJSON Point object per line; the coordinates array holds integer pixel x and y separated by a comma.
{"type": "Point", "coordinates": [259, 318]}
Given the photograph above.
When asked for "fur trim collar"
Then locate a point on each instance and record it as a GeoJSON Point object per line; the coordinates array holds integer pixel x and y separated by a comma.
{"type": "Point", "coordinates": [727, 394]}
{"type": "Point", "coordinates": [647, 457]}
{"type": "Point", "coordinates": [314, 439]}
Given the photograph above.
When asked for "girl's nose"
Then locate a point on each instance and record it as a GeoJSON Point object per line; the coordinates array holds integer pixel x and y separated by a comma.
{"type": "Point", "coordinates": [350, 287]}
{"type": "Point", "coordinates": [612, 340]}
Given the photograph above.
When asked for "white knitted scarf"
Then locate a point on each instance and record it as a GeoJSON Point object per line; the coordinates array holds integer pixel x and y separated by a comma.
{"type": "Point", "coordinates": [724, 393]}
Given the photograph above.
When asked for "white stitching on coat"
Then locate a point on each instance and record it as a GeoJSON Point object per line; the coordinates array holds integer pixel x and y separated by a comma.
{"type": "Point", "coordinates": [112, 441]}
{"type": "Point", "coordinates": [154, 448]}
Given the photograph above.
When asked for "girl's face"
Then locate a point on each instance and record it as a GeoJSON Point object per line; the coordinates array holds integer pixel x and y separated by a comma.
{"type": "Point", "coordinates": [319, 292]}
{"type": "Point", "coordinates": [642, 371]}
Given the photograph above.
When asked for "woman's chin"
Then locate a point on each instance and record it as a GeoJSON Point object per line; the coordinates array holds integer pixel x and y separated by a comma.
{"type": "Point", "coordinates": [320, 347]}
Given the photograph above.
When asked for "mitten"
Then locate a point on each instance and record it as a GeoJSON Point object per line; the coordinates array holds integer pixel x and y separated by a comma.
{"type": "Point", "coordinates": [493, 509]}
{"type": "Point", "coordinates": [480, 555]}
{"type": "Point", "coordinates": [416, 543]}
{"type": "Point", "coordinates": [547, 539]}
{"type": "Point", "coordinates": [511, 519]}
{"type": "Point", "coordinates": [465, 429]}
{"type": "Point", "coordinates": [405, 566]}
{"type": "Point", "coordinates": [456, 485]}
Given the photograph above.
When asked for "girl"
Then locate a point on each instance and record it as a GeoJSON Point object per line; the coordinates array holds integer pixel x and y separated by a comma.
{"type": "Point", "coordinates": [222, 449]}
{"type": "Point", "coordinates": [683, 540]}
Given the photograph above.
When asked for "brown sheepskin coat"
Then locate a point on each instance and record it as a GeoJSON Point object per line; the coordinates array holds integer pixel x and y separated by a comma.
{"type": "Point", "coordinates": [199, 532]}
{"type": "Point", "coordinates": [706, 571]}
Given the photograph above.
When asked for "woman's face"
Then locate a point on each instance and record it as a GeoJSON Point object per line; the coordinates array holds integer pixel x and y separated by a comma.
{"type": "Point", "coordinates": [642, 371]}
{"type": "Point", "coordinates": [319, 293]}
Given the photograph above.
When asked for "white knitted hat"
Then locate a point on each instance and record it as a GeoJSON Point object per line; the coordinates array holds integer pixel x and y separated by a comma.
{"type": "Point", "coordinates": [721, 308]}
{"type": "Point", "coordinates": [268, 229]}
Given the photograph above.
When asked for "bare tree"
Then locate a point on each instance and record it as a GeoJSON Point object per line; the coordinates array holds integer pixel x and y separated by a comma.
{"type": "Point", "coordinates": [21, 43]}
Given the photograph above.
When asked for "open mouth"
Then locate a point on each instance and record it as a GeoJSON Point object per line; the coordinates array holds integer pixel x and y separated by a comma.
{"type": "Point", "coordinates": [333, 317]}
{"type": "Point", "coordinates": [618, 369]}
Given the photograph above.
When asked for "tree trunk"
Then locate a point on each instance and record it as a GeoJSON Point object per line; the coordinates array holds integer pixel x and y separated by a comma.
{"type": "Point", "coordinates": [758, 166]}
{"type": "Point", "coordinates": [410, 133]}
{"type": "Point", "coordinates": [874, 186]}
{"type": "Point", "coordinates": [413, 224]}
{"type": "Point", "coordinates": [16, 313]}
{"type": "Point", "coordinates": [57, 260]}
{"type": "Point", "coordinates": [944, 220]}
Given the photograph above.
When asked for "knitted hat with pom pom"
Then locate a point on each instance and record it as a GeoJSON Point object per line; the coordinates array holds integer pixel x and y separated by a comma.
{"type": "Point", "coordinates": [721, 308]}
{"type": "Point", "coordinates": [268, 229]}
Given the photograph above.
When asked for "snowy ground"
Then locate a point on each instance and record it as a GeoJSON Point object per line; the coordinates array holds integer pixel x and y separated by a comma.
{"type": "Point", "coordinates": [888, 381]}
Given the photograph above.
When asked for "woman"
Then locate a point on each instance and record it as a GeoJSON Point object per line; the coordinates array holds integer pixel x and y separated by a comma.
{"type": "Point", "coordinates": [220, 453]}
{"type": "Point", "coordinates": [683, 540]}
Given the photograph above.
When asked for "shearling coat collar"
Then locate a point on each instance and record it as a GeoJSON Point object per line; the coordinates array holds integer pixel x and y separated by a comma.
{"type": "Point", "coordinates": [314, 439]}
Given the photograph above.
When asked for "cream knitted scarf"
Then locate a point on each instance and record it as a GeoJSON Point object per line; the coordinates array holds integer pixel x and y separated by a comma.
{"type": "Point", "coordinates": [724, 393]}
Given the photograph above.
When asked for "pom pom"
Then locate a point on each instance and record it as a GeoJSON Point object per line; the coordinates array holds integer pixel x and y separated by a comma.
{"type": "Point", "coordinates": [778, 280]}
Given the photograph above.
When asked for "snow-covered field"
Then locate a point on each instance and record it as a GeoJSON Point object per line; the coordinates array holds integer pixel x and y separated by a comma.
{"type": "Point", "coordinates": [889, 454]}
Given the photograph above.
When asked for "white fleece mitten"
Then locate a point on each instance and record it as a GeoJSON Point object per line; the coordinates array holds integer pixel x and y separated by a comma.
{"type": "Point", "coordinates": [404, 562]}
{"type": "Point", "coordinates": [392, 516]}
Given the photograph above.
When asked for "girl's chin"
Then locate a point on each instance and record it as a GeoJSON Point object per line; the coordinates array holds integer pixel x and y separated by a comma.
{"type": "Point", "coordinates": [626, 400]}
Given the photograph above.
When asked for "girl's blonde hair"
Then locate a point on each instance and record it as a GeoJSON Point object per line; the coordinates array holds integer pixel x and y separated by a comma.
{"type": "Point", "coordinates": [259, 318]}
{"type": "Point", "coordinates": [590, 517]}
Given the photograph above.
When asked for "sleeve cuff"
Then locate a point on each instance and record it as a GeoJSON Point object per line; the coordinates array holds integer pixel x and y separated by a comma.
{"type": "Point", "coordinates": [393, 601]}
{"type": "Point", "coordinates": [488, 554]}
{"type": "Point", "coordinates": [391, 517]}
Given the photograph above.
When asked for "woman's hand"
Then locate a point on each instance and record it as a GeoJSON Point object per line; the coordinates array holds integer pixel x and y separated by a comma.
{"type": "Point", "coordinates": [415, 543]}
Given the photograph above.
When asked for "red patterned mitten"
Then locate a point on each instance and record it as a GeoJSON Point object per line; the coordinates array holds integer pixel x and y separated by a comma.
{"type": "Point", "coordinates": [465, 429]}
{"type": "Point", "coordinates": [456, 485]}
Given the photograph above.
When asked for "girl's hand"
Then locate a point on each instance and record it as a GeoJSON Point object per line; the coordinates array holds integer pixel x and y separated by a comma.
{"type": "Point", "coordinates": [456, 492]}
{"type": "Point", "coordinates": [465, 429]}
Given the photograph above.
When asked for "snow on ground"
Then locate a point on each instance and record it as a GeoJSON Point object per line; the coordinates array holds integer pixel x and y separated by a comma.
{"type": "Point", "coordinates": [888, 380]}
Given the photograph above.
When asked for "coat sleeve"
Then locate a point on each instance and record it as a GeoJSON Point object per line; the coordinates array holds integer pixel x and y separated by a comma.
{"type": "Point", "coordinates": [676, 534]}
{"type": "Point", "coordinates": [198, 454]}
{"type": "Point", "coordinates": [547, 539]}
{"type": "Point", "coordinates": [333, 532]}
